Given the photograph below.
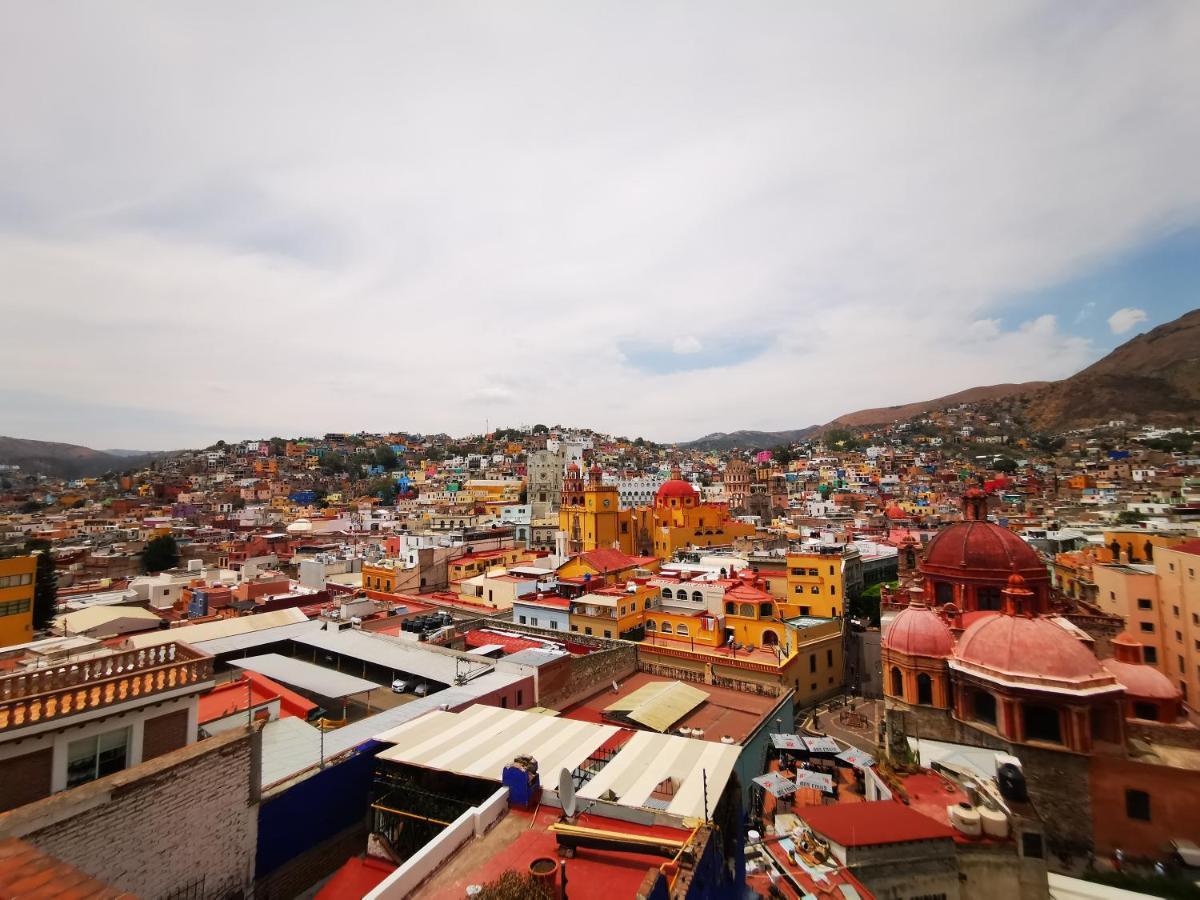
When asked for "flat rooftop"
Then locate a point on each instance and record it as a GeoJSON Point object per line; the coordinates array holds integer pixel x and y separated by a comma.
{"type": "Point", "coordinates": [521, 837]}
{"type": "Point", "coordinates": [725, 712]}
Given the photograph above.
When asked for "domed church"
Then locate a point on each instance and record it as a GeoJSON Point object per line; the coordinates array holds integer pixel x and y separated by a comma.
{"type": "Point", "coordinates": [980, 656]}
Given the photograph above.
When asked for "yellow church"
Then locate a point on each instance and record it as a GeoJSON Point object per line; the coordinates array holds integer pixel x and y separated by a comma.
{"type": "Point", "coordinates": [590, 517]}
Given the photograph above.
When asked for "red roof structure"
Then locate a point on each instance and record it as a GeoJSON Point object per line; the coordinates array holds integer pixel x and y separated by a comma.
{"type": "Point", "coordinates": [870, 824]}
{"type": "Point", "coordinates": [918, 631]}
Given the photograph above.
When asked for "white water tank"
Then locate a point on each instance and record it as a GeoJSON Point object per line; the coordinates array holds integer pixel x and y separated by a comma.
{"type": "Point", "coordinates": [965, 818]}
{"type": "Point", "coordinates": [993, 822]}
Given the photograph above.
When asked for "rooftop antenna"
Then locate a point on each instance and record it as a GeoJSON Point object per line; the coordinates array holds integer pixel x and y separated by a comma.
{"type": "Point", "coordinates": [566, 794]}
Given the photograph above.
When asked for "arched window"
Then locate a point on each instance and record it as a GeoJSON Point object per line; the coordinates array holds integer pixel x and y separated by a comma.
{"type": "Point", "coordinates": [770, 638]}
{"type": "Point", "coordinates": [987, 598]}
{"type": "Point", "coordinates": [666, 628]}
{"type": "Point", "coordinates": [697, 597]}
{"type": "Point", "coordinates": [747, 610]}
{"type": "Point", "coordinates": [682, 630]}
{"type": "Point", "coordinates": [924, 689]}
{"type": "Point", "coordinates": [983, 705]}
{"type": "Point", "coordinates": [649, 603]}
{"type": "Point", "coordinates": [897, 682]}
{"type": "Point", "coordinates": [650, 625]}
{"type": "Point", "coordinates": [666, 592]}
{"type": "Point", "coordinates": [943, 592]}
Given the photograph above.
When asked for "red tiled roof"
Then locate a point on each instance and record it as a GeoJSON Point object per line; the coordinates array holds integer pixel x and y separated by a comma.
{"type": "Point", "coordinates": [866, 824]}
{"type": "Point", "coordinates": [605, 560]}
{"type": "Point", "coordinates": [1192, 547]}
{"type": "Point", "coordinates": [28, 873]}
{"type": "Point", "coordinates": [357, 877]}
{"type": "Point", "coordinates": [510, 644]}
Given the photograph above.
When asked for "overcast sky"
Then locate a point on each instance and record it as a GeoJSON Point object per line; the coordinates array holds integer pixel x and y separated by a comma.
{"type": "Point", "coordinates": [238, 220]}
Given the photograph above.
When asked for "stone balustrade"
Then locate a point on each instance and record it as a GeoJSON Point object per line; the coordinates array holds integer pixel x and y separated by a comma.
{"type": "Point", "coordinates": [34, 696]}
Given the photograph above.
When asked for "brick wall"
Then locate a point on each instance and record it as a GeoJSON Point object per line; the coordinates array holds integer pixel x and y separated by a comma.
{"type": "Point", "coordinates": [590, 673]}
{"type": "Point", "coordinates": [164, 734]}
{"type": "Point", "coordinates": [305, 869]}
{"type": "Point", "coordinates": [26, 778]}
{"type": "Point", "coordinates": [187, 818]}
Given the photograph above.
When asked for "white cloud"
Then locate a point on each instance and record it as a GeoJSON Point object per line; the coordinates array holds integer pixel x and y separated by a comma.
{"type": "Point", "coordinates": [1125, 319]}
{"type": "Point", "coordinates": [425, 209]}
{"type": "Point", "coordinates": [686, 344]}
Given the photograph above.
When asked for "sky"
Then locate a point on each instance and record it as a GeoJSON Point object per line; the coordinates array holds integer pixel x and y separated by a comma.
{"type": "Point", "coordinates": [648, 218]}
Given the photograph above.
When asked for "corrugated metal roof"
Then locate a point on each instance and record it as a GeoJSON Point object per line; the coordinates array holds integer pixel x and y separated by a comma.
{"type": "Point", "coordinates": [660, 704]}
{"type": "Point", "coordinates": [288, 745]}
{"type": "Point", "coordinates": [306, 676]}
{"type": "Point", "coordinates": [251, 639]}
{"type": "Point", "coordinates": [482, 740]}
{"type": "Point", "coordinates": [94, 616]}
{"type": "Point", "coordinates": [648, 759]}
{"type": "Point", "coordinates": [207, 631]}
{"type": "Point", "coordinates": [397, 655]}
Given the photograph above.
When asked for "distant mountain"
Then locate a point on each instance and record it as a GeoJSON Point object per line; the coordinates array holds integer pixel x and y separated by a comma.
{"type": "Point", "coordinates": [749, 440]}
{"type": "Point", "coordinates": [112, 452]}
{"type": "Point", "coordinates": [1155, 377]}
{"type": "Point", "coordinates": [886, 414]}
{"type": "Point", "coordinates": [60, 460]}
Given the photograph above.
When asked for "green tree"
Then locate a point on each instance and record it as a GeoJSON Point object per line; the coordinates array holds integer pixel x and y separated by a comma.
{"type": "Point", "coordinates": [782, 454]}
{"type": "Point", "coordinates": [540, 429]}
{"type": "Point", "coordinates": [1129, 517]}
{"type": "Point", "coordinates": [160, 553]}
{"type": "Point", "coordinates": [45, 590]}
{"type": "Point", "coordinates": [385, 456]}
{"type": "Point", "coordinates": [1005, 465]}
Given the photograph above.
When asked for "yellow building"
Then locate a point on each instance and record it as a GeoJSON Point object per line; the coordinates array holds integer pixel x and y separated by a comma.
{"type": "Point", "coordinates": [606, 567]}
{"type": "Point", "coordinates": [16, 599]}
{"type": "Point", "coordinates": [1178, 571]}
{"type": "Point", "coordinates": [590, 517]}
{"type": "Point", "coordinates": [816, 585]}
{"type": "Point", "coordinates": [610, 614]}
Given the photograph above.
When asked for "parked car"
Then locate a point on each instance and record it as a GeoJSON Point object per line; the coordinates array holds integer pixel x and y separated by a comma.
{"type": "Point", "coordinates": [399, 686]}
{"type": "Point", "coordinates": [421, 689]}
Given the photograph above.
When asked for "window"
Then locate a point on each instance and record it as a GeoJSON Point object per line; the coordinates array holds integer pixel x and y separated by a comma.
{"type": "Point", "coordinates": [697, 597]}
{"type": "Point", "coordinates": [897, 682]}
{"type": "Point", "coordinates": [1031, 845]}
{"type": "Point", "coordinates": [813, 573]}
{"type": "Point", "coordinates": [984, 706]}
{"type": "Point", "coordinates": [746, 610]}
{"type": "Point", "coordinates": [15, 580]}
{"type": "Point", "coordinates": [924, 689]}
{"type": "Point", "coordinates": [651, 625]}
{"type": "Point", "coordinates": [682, 629]}
{"type": "Point", "coordinates": [1042, 723]}
{"type": "Point", "coordinates": [815, 590]}
{"type": "Point", "coordinates": [731, 608]}
{"type": "Point", "coordinates": [97, 756]}
{"type": "Point", "coordinates": [520, 697]}
{"type": "Point", "coordinates": [587, 629]}
{"type": "Point", "coordinates": [1150, 655]}
{"type": "Point", "coordinates": [13, 607]}
{"type": "Point", "coordinates": [1137, 804]}
{"type": "Point", "coordinates": [1147, 627]}
{"type": "Point", "coordinates": [554, 625]}
{"type": "Point", "coordinates": [607, 633]}
{"type": "Point", "coordinates": [829, 657]}
{"type": "Point", "coordinates": [988, 598]}
{"type": "Point", "coordinates": [1142, 710]}
{"type": "Point", "coordinates": [943, 592]}
{"type": "Point", "coordinates": [533, 621]}
{"type": "Point", "coordinates": [666, 628]}
{"type": "Point", "coordinates": [666, 592]}
{"type": "Point", "coordinates": [1179, 637]}
{"type": "Point", "coordinates": [1143, 603]}
{"type": "Point", "coordinates": [1175, 610]}
{"type": "Point", "coordinates": [766, 609]}
{"type": "Point", "coordinates": [804, 610]}
{"type": "Point", "coordinates": [1181, 668]}
{"type": "Point", "coordinates": [812, 662]}
{"type": "Point", "coordinates": [521, 619]}
{"type": "Point", "coordinates": [574, 627]}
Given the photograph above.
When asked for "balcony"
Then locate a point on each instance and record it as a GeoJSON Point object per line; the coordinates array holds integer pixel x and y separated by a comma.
{"type": "Point", "coordinates": [37, 696]}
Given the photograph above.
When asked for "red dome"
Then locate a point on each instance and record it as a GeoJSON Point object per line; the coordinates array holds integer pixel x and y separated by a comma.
{"type": "Point", "coordinates": [1031, 649]}
{"type": "Point", "coordinates": [984, 549]}
{"type": "Point", "coordinates": [676, 488]}
{"type": "Point", "coordinates": [918, 631]}
{"type": "Point", "coordinates": [1142, 681]}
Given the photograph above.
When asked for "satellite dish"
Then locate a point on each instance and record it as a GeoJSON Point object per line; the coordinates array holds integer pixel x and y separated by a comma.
{"type": "Point", "coordinates": [566, 793]}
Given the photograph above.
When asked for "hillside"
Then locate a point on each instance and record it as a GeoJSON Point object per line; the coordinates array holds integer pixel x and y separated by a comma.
{"type": "Point", "coordinates": [886, 414]}
{"type": "Point", "coordinates": [61, 460]}
{"type": "Point", "coordinates": [749, 440]}
{"type": "Point", "coordinates": [1155, 377]}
